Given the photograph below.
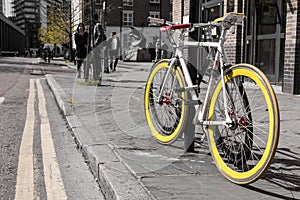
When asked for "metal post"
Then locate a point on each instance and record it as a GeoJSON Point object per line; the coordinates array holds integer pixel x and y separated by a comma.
{"type": "Point", "coordinates": [121, 35]}
{"type": "Point", "coordinates": [91, 38]}
{"type": "Point", "coordinates": [70, 33]}
{"type": "Point", "coordinates": [189, 130]}
{"type": "Point", "coordinates": [160, 16]}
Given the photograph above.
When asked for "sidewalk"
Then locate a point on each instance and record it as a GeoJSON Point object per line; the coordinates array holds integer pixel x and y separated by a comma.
{"type": "Point", "coordinates": [109, 126]}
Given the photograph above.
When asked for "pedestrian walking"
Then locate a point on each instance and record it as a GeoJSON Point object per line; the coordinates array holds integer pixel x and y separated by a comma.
{"type": "Point", "coordinates": [157, 50]}
{"type": "Point", "coordinates": [25, 52]}
{"type": "Point", "coordinates": [48, 54]}
{"type": "Point", "coordinates": [81, 41]}
{"type": "Point", "coordinates": [164, 49]}
{"type": "Point", "coordinates": [98, 38]}
{"type": "Point", "coordinates": [113, 45]}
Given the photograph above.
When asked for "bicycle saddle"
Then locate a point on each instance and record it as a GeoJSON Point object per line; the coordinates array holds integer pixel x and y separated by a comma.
{"type": "Point", "coordinates": [230, 19]}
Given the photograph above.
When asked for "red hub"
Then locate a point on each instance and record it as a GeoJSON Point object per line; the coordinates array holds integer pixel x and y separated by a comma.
{"type": "Point", "coordinates": [168, 101]}
{"type": "Point", "coordinates": [242, 122]}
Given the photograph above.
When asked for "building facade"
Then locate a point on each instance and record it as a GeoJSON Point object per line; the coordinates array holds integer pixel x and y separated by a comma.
{"type": "Point", "coordinates": [27, 14]}
{"type": "Point", "coordinates": [121, 15]}
{"type": "Point", "coordinates": [11, 37]}
{"type": "Point", "coordinates": [135, 12]}
{"type": "Point", "coordinates": [30, 15]}
{"type": "Point", "coordinates": [8, 8]}
{"type": "Point", "coordinates": [1, 6]}
{"type": "Point", "coordinates": [269, 40]}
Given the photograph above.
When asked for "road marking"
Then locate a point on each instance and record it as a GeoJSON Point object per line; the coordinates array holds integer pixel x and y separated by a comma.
{"type": "Point", "coordinates": [2, 99]}
{"type": "Point", "coordinates": [53, 180]}
{"type": "Point", "coordinates": [25, 185]}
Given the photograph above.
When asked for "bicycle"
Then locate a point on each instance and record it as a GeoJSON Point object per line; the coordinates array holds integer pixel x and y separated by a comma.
{"type": "Point", "coordinates": [239, 114]}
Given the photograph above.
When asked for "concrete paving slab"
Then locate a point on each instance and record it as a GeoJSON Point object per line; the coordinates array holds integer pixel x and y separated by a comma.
{"type": "Point", "coordinates": [109, 122]}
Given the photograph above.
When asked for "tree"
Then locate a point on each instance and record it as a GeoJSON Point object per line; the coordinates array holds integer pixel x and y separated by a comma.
{"type": "Point", "coordinates": [60, 22]}
{"type": "Point", "coordinates": [57, 29]}
{"type": "Point", "coordinates": [54, 33]}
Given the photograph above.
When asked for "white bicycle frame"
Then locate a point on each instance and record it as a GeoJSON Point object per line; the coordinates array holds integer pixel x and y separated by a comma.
{"type": "Point", "coordinates": [201, 111]}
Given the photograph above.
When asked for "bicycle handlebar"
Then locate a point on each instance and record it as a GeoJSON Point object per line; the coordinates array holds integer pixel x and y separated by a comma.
{"type": "Point", "coordinates": [228, 20]}
{"type": "Point", "coordinates": [174, 26]}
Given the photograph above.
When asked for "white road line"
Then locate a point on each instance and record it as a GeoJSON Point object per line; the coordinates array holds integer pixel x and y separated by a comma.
{"type": "Point", "coordinates": [2, 99]}
{"type": "Point", "coordinates": [53, 180]}
{"type": "Point", "coordinates": [25, 184]}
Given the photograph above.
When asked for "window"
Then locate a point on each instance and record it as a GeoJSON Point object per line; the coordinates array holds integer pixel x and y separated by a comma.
{"type": "Point", "coordinates": [154, 14]}
{"type": "Point", "coordinates": [154, 1]}
{"type": "Point", "coordinates": [127, 2]}
{"type": "Point", "coordinates": [230, 5]}
{"type": "Point", "coordinates": [127, 18]}
{"type": "Point", "coordinates": [98, 2]}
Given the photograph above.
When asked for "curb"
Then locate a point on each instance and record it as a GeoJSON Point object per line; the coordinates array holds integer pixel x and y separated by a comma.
{"type": "Point", "coordinates": [60, 96]}
{"type": "Point", "coordinates": [116, 181]}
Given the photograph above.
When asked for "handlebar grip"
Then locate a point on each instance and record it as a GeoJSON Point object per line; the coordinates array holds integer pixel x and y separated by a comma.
{"type": "Point", "coordinates": [174, 27]}
{"type": "Point", "coordinates": [180, 26]}
{"type": "Point", "coordinates": [153, 20]}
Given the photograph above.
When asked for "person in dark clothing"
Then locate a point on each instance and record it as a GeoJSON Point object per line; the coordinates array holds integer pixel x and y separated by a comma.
{"type": "Point", "coordinates": [99, 33]}
{"type": "Point", "coordinates": [81, 41]}
{"type": "Point", "coordinates": [113, 45]}
{"type": "Point", "coordinates": [48, 54]}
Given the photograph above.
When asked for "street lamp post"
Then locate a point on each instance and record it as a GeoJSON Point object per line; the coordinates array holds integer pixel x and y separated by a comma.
{"type": "Point", "coordinates": [70, 33]}
{"type": "Point", "coordinates": [121, 35]}
{"type": "Point", "coordinates": [104, 14]}
{"type": "Point", "coordinates": [91, 35]}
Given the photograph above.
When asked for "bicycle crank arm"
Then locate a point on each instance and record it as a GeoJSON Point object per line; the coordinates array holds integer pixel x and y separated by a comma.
{"type": "Point", "coordinates": [214, 123]}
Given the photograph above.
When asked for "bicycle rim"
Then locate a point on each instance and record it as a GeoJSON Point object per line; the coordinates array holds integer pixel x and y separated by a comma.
{"type": "Point", "coordinates": [165, 116]}
{"type": "Point", "coordinates": [244, 151]}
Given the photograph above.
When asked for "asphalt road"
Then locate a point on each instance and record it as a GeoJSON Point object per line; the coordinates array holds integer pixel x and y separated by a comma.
{"type": "Point", "coordinates": [75, 177]}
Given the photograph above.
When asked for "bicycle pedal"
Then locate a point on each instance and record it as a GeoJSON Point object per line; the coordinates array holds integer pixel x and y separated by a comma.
{"type": "Point", "coordinates": [194, 102]}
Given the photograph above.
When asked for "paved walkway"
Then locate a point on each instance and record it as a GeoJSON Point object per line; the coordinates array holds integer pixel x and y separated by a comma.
{"type": "Point", "coordinates": [109, 125]}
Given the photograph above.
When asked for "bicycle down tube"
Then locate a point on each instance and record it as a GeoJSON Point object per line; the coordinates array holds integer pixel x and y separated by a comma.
{"type": "Point", "coordinates": [218, 61]}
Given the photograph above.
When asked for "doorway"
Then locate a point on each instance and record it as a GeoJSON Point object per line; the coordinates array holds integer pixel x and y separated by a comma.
{"type": "Point", "coordinates": [265, 37]}
{"type": "Point", "coordinates": [211, 10]}
{"type": "Point", "coordinates": [202, 11]}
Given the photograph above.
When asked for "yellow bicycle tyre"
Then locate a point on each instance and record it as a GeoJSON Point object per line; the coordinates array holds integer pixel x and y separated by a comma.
{"type": "Point", "coordinates": [152, 119]}
{"type": "Point", "coordinates": [223, 164]}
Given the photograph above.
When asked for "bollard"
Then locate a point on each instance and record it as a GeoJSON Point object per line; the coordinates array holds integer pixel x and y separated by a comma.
{"type": "Point", "coordinates": [189, 130]}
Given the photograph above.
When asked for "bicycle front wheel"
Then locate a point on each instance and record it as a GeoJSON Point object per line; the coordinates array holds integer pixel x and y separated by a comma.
{"type": "Point", "coordinates": [165, 114]}
{"type": "Point", "coordinates": [244, 150]}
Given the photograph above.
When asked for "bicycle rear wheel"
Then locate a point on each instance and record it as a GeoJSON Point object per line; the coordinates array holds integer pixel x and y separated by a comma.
{"type": "Point", "coordinates": [244, 150]}
{"type": "Point", "coordinates": [166, 115]}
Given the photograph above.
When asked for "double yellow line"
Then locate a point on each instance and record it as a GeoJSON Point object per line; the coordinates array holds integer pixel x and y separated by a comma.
{"type": "Point", "coordinates": [25, 177]}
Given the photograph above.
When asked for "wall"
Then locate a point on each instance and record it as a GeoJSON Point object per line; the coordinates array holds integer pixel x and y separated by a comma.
{"type": "Point", "coordinates": [292, 46]}
{"type": "Point", "coordinates": [11, 37]}
{"type": "Point", "coordinates": [234, 42]}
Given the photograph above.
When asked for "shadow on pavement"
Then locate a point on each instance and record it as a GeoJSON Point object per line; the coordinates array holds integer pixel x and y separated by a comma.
{"type": "Point", "coordinates": [282, 173]}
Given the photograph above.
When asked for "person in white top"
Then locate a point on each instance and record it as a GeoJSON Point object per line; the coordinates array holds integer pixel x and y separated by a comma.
{"type": "Point", "coordinates": [113, 45]}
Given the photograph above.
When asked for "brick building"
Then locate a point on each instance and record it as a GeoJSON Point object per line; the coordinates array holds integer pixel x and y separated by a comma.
{"type": "Point", "coordinates": [135, 12]}
{"type": "Point", "coordinates": [269, 40]}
